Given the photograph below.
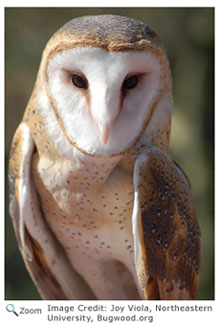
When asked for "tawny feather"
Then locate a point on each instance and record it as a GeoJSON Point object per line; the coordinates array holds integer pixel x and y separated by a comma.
{"type": "Point", "coordinates": [75, 164]}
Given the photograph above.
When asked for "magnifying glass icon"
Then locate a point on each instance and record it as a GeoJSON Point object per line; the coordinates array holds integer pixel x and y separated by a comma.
{"type": "Point", "coordinates": [11, 308]}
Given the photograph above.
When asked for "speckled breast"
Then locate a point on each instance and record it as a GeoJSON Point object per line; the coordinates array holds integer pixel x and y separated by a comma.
{"type": "Point", "coordinates": [89, 209]}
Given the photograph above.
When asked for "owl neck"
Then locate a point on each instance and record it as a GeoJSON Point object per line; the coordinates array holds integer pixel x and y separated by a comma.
{"type": "Point", "coordinates": [95, 169]}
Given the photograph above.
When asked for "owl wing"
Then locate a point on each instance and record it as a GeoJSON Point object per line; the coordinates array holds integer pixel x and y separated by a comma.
{"type": "Point", "coordinates": [165, 228]}
{"type": "Point", "coordinates": [43, 255]}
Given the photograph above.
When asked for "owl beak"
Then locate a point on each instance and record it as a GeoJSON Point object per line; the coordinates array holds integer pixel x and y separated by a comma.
{"type": "Point", "coordinates": [104, 131]}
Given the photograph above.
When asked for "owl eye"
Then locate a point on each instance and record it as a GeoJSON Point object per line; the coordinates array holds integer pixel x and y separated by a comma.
{"type": "Point", "coordinates": [130, 82]}
{"type": "Point", "coordinates": [79, 81]}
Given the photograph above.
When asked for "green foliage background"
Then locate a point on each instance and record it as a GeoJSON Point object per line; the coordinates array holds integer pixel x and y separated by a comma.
{"type": "Point", "coordinates": [188, 36]}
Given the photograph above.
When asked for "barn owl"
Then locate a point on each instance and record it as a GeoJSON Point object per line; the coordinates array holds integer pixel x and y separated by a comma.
{"type": "Point", "coordinates": [99, 208]}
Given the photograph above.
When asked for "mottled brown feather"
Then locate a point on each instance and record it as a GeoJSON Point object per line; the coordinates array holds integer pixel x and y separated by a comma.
{"type": "Point", "coordinates": [37, 267]}
{"type": "Point", "coordinates": [171, 234]}
{"type": "Point", "coordinates": [41, 272]}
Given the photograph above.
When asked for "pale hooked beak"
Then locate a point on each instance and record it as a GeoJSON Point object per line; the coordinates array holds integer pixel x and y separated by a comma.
{"type": "Point", "coordinates": [104, 131]}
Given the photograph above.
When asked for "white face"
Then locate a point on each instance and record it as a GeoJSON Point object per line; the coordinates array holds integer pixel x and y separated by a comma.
{"type": "Point", "coordinates": [103, 98]}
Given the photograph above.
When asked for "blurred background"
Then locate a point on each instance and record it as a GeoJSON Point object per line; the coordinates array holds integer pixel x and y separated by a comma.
{"type": "Point", "coordinates": [188, 36]}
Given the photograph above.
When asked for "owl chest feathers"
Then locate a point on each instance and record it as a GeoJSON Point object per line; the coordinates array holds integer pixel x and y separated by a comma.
{"type": "Point", "coordinates": [87, 203]}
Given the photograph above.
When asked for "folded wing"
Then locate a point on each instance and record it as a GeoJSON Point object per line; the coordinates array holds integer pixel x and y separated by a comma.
{"type": "Point", "coordinates": [165, 228]}
{"type": "Point", "coordinates": [44, 257]}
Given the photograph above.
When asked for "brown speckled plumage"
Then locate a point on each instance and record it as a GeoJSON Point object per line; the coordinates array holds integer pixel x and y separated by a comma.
{"type": "Point", "coordinates": [170, 229]}
{"type": "Point", "coordinates": [110, 31]}
{"type": "Point", "coordinates": [73, 211]}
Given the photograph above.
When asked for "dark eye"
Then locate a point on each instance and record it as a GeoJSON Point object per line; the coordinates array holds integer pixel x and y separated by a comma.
{"type": "Point", "coordinates": [130, 83]}
{"type": "Point", "coordinates": [79, 81]}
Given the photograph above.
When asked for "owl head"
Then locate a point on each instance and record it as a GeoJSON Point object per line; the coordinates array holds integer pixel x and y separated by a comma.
{"type": "Point", "coordinates": [103, 78]}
